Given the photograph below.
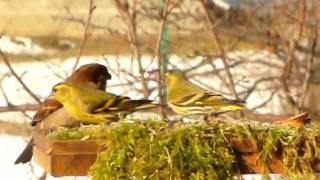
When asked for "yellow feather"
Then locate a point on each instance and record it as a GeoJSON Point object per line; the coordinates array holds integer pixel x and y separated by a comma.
{"type": "Point", "coordinates": [186, 98]}
{"type": "Point", "coordinates": [93, 105]}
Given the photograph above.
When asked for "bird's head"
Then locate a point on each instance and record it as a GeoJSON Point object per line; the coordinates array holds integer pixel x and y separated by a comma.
{"type": "Point", "coordinates": [174, 76]}
{"type": "Point", "coordinates": [93, 75]}
{"type": "Point", "coordinates": [62, 91]}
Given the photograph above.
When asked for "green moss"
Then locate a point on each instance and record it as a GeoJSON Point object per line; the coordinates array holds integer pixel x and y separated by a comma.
{"type": "Point", "coordinates": [83, 132]}
{"type": "Point", "coordinates": [158, 150]}
{"type": "Point", "coordinates": [153, 150]}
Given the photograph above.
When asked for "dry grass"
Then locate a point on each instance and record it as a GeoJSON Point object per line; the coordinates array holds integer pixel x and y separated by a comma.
{"type": "Point", "coordinates": [38, 19]}
{"type": "Point", "coordinates": [112, 45]}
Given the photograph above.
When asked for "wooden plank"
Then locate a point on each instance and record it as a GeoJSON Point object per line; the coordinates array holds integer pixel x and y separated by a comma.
{"type": "Point", "coordinates": [253, 162]}
{"type": "Point", "coordinates": [66, 146]}
{"type": "Point", "coordinates": [65, 157]}
{"type": "Point", "coordinates": [64, 165]}
{"type": "Point", "coordinates": [42, 159]}
{"type": "Point", "coordinates": [72, 165]}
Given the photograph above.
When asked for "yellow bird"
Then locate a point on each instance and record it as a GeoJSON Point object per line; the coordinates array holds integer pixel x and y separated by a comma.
{"type": "Point", "coordinates": [51, 113]}
{"type": "Point", "coordinates": [186, 98]}
{"type": "Point", "coordinates": [91, 105]}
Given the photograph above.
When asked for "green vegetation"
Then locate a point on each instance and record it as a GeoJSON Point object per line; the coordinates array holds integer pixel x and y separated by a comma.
{"type": "Point", "coordinates": [83, 132]}
{"type": "Point", "coordinates": [158, 150]}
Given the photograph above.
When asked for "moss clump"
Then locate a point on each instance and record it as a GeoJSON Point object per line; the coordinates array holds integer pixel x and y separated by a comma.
{"type": "Point", "coordinates": [153, 150]}
{"type": "Point", "coordinates": [158, 150]}
{"type": "Point", "coordinates": [83, 132]}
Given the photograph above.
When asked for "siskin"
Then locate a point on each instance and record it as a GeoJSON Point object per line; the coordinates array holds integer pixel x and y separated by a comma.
{"type": "Point", "coordinates": [51, 113]}
{"type": "Point", "coordinates": [186, 98]}
{"type": "Point", "coordinates": [90, 105]}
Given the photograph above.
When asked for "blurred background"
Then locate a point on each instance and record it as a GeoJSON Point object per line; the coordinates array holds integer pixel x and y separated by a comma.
{"type": "Point", "coordinates": [264, 52]}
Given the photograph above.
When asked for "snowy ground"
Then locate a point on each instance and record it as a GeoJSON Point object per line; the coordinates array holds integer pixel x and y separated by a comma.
{"type": "Point", "coordinates": [40, 76]}
{"type": "Point", "coordinates": [11, 146]}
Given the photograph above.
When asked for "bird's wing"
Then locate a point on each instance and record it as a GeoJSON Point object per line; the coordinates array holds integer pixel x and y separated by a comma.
{"type": "Point", "coordinates": [109, 101]}
{"type": "Point", "coordinates": [217, 101]}
{"type": "Point", "coordinates": [59, 118]}
{"type": "Point", "coordinates": [198, 98]}
{"type": "Point", "coordinates": [187, 99]}
{"type": "Point", "coordinates": [184, 90]}
{"type": "Point", "coordinates": [211, 99]}
{"type": "Point", "coordinates": [94, 99]}
{"type": "Point", "coordinates": [116, 105]}
{"type": "Point", "coordinates": [127, 104]}
{"type": "Point", "coordinates": [49, 106]}
{"type": "Point", "coordinates": [123, 104]}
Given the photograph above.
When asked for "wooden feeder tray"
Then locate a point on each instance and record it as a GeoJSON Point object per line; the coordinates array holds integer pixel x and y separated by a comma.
{"type": "Point", "coordinates": [65, 157]}
{"type": "Point", "coordinates": [75, 157]}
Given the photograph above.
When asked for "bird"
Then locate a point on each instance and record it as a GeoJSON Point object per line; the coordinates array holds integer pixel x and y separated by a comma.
{"type": "Point", "coordinates": [92, 75]}
{"type": "Point", "coordinates": [186, 98]}
{"type": "Point", "coordinates": [51, 113]}
{"type": "Point", "coordinates": [89, 105]}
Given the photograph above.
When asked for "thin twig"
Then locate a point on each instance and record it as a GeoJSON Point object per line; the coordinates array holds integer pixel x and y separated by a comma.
{"type": "Point", "coordinates": [5, 96]}
{"type": "Point", "coordinates": [130, 20]}
{"type": "Point", "coordinates": [221, 50]}
{"type": "Point", "coordinates": [92, 7]}
{"type": "Point", "coordinates": [13, 128]}
{"type": "Point", "coordinates": [6, 61]}
{"type": "Point", "coordinates": [305, 85]}
{"type": "Point", "coordinates": [265, 102]}
{"type": "Point", "coordinates": [23, 107]}
{"type": "Point", "coordinates": [291, 48]}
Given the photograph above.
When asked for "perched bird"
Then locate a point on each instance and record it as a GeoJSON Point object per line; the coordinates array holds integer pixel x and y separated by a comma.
{"type": "Point", "coordinates": [186, 98]}
{"type": "Point", "coordinates": [89, 75]}
{"type": "Point", "coordinates": [51, 113]}
{"type": "Point", "coordinates": [89, 105]}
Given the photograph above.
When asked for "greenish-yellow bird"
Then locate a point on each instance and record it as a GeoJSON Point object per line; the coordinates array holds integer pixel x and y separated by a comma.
{"type": "Point", "coordinates": [186, 98]}
{"type": "Point", "coordinates": [91, 105]}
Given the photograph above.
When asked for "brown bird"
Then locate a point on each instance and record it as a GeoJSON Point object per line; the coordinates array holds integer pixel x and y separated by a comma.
{"type": "Point", "coordinates": [51, 113]}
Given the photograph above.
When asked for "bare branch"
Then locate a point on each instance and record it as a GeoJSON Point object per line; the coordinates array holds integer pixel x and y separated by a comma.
{"type": "Point", "coordinates": [92, 7]}
{"type": "Point", "coordinates": [5, 96]}
{"type": "Point", "coordinates": [17, 129]}
{"type": "Point", "coordinates": [309, 69]}
{"type": "Point", "coordinates": [6, 61]}
{"type": "Point", "coordinates": [129, 16]}
{"type": "Point", "coordinates": [24, 107]}
{"type": "Point", "coordinates": [221, 50]}
{"type": "Point", "coordinates": [266, 101]}
{"type": "Point", "coordinates": [291, 48]}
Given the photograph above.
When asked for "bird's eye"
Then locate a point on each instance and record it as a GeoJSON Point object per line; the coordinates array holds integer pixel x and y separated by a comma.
{"type": "Point", "coordinates": [54, 89]}
{"type": "Point", "coordinates": [101, 77]}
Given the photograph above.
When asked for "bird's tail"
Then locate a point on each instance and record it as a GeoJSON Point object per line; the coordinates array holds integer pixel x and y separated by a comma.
{"type": "Point", "coordinates": [234, 105]}
{"type": "Point", "coordinates": [144, 104]}
{"type": "Point", "coordinates": [26, 154]}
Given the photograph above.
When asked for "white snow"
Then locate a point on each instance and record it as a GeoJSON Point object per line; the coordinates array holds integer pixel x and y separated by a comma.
{"type": "Point", "coordinates": [19, 45]}
{"type": "Point", "coordinates": [10, 149]}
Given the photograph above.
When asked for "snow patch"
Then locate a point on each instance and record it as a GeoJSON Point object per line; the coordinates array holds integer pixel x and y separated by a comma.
{"type": "Point", "coordinates": [19, 46]}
